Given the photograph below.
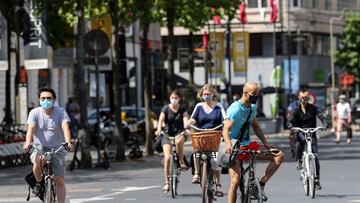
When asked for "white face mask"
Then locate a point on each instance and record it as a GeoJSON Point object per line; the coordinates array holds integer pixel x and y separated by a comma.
{"type": "Point", "coordinates": [174, 101]}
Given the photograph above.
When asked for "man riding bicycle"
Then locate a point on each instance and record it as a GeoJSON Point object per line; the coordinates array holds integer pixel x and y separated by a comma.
{"type": "Point", "coordinates": [237, 114]}
{"type": "Point", "coordinates": [304, 116]}
{"type": "Point", "coordinates": [48, 127]}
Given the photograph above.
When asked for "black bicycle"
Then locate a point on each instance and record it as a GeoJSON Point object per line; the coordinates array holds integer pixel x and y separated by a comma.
{"type": "Point", "coordinates": [250, 190]}
{"type": "Point", "coordinates": [175, 169]}
{"type": "Point", "coordinates": [49, 186]}
{"type": "Point", "coordinates": [205, 144]}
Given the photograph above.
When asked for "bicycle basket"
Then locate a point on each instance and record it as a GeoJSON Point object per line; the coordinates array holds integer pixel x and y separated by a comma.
{"type": "Point", "coordinates": [206, 141]}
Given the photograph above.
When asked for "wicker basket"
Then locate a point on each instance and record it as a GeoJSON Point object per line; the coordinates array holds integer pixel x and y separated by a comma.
{"type": "Point", "coordinates": [206, 141]}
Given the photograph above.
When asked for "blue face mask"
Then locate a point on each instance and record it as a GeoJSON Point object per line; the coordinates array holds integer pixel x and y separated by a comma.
{"type": "Point", "coordinates": [46, 104]}
{"type": "Point", "coordinates": [207, 98]}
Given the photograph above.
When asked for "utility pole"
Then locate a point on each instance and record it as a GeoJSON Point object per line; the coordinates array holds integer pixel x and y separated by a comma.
{"type": "Point", "coordinates": [289, 45]}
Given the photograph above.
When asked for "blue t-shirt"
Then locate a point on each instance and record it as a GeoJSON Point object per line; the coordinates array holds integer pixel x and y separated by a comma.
{"type": "Point", "coordinates": [238, 113]}
{"type": "Point", "coordinates": [205, 120]}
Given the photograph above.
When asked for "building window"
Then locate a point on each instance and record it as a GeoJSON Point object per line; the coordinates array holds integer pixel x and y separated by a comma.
{"type": "Point", "coordinates": [252, 3]}
{"type": "Point", "coordinates": [296, 3]}
{"type": "Point", "coordinates": [315, 3]}
{"type": "Point", "coordinates": [256, 44]}
{"type": "Point", "coordinates": [264, 3]}
{"type": "Point", "coordinates": [327, 4]}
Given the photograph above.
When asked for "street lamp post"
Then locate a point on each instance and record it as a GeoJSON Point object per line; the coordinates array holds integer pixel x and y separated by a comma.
{"type": "Point", "coordinates": [332, 60]}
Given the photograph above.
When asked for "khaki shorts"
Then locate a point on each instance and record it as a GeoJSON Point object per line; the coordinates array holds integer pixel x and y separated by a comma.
{"type": "Point", "coordinates": [58, 163]}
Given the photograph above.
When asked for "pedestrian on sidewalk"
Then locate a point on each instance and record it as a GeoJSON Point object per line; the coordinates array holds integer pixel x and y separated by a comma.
{"type": "Point", "coordinates": [343, 111]}
{"type": "Point", "coordinates": [48, 127]}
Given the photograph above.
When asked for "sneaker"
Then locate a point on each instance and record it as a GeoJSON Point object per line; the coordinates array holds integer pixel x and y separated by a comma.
{"type": "Point", "coordinates": [299, 165]}
{"type": "Point", "coordinates": [264, 197]}
{"type": "Point", "coordinates": [37, 189]}
{"type": "Point", "coordinates": [317, 185]}
{"type": "Point", "coordinates": [349, 141]}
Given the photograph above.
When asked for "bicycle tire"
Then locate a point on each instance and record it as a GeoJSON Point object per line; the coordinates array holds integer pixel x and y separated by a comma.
{"type": "Point", "coordinates": [254, 192]}
{"type": "Point", "coordinates": [49, 196]}
{"type": "Point", "coordinates": [305, 177]}
{"type": "Point", "coordinates": [173, 178]}
{"type": "Point", "coordinates": [312, 172]}
{"type": "Point", "coordinates": [204, 182]}
{"type": "Point", "coordinates": [210, 182]}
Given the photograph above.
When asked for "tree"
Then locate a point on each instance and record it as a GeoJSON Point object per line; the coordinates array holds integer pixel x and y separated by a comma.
{"type": "Point", "coordinates": [348, 55]}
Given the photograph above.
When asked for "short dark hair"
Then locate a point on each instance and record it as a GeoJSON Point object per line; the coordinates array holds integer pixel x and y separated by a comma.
{"type": "Point", "coordinates": [47, 89]}
{"type": "Point", "coordinates": [303, 90]}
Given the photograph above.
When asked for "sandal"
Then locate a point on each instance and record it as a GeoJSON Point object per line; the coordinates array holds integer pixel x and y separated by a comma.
{"type": "Point", "coordinates": [196, 177]}
{"type": "Point", "coordinates": [166, 188]}
{"type": "Point", "coordinates": [183, 166]}
{"type": "Point", "coordinates": [219, 192]}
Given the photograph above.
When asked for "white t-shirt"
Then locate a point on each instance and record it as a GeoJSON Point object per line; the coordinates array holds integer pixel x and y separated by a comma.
{"type": "Point", "coordinates": [343, 110]}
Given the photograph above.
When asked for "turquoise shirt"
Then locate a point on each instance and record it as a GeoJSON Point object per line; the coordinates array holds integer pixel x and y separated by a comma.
{"type": "Point", "coordinates": [238, 113]}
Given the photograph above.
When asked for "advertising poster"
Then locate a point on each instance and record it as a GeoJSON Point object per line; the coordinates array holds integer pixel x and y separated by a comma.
{"type": "Point", "coordinates": [3, 44]}
{"type": "Point", "coordinates": [217, 52]}
{"type": "Point", "coordinates": [294, 74]}
{"type": "Point", "coordinates": [240, 53]}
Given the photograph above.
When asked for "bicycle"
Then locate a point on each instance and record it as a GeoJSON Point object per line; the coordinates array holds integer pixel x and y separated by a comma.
{"type": "Point", "coordinates": [308, 170]}
{"type": "Point", "coordinates": [205, 144]}
{"type": "Point", "coordinates": [253, 191]}
{"type": "Point", "coordinates": [175, 169]}
{"type": "Point", "coordinates": [49, 187]}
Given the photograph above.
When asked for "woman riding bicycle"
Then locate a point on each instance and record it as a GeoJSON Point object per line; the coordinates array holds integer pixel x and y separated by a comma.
{"type": "Point", "coordinates": [208, 114]}
{"type": "Point", "coordinates": [174, 116]}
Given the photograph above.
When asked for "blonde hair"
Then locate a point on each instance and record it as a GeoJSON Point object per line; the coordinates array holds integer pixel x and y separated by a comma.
{"type": "Point", "coordinates": [211, 89]}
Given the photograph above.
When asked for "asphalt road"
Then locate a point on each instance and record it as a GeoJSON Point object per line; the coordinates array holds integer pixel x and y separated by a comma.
{"type": "Point", "coordinates": [141, 180]}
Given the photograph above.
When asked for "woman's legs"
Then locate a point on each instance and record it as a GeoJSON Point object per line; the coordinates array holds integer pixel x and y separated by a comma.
{"type": "Point", "coordinates": [196, 176]}
{"type": "Point", "coordinates": [179, 141]}
{"type": "Point", "coordinates": [167, 153]}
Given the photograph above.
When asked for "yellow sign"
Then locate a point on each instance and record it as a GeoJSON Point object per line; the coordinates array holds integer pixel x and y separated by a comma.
{"type": "Point", "coordinates": [104, 24]}
{"type": "Point", "coordinates": [218, 52]}
{"type": "Point", "coordinates": [240, 52]}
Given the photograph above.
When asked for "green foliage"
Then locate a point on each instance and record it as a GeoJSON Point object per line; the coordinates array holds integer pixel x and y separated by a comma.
{"type": "Point", "coordinates": [348, 56]}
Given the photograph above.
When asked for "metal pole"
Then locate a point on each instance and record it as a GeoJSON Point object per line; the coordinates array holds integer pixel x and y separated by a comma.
{"type": "Point", "coordinates": [97, 101]}
{"type": "Point", "coordinates": [245, 52]}
{"type": "Point", "coordinates": [229, 58]}
{"type": "Point", "coordinates": [332, 63]}
{"type": "Point", "coordinates": [289, 46]}
{"type": "Point", "coordinates": [135, 67]}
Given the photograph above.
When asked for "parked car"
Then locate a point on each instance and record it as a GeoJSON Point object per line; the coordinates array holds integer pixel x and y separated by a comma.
{"type": "Point", "coordinates": [355, 112]}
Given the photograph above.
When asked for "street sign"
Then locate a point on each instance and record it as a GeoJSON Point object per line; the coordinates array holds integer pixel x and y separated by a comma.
{"type": "Point", "coordinates": [35, 39]}
{"type": "Point", "coordinates": [96, 42]}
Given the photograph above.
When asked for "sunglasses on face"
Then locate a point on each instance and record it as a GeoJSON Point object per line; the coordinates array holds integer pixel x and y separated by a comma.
{"type": "Point", "coordinates": [305, 98]}
{"type": "Point", "coordinates": [47, 98]}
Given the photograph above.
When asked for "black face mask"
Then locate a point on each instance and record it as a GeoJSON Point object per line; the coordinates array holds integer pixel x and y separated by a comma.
{"type": "Point", "coordinates": [253, 99]}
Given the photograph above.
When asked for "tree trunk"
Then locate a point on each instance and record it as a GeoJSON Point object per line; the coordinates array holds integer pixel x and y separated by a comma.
{"type": "Point", "coordinates": [170, 45]}
{"type": "Point", "coordinates": [118, 53]}
{"type": "Point", "coordinates": [147, 97]}
{"type": "Point", "coordinates": [81, 88]}
{"type": "Point", "coordinates": [191, 59]}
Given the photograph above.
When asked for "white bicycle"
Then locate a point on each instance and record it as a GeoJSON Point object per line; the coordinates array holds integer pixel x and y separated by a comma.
{"type": "Point", "coordinates": [308, 171]}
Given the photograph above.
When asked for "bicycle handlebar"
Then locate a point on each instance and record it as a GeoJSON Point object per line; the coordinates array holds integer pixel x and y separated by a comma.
{"type": "Point", "coordinates": [308, 130]}
{"type": "Point", "coordinates": [209, 129]}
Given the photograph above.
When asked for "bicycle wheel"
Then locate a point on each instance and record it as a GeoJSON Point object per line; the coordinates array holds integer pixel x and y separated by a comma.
{"type": "Point", "coordinates": [210, 183]}
{"type": "Point", "coordinates": [254, 192]}
{"type": "Point", "coordinates": [312, 172]}
{"type": "Point", "coordinates": [204, 182]}
{"type": "Point", "coordinates": [49, 196]}
{"type": "Point", "coordinates": [173, 178]}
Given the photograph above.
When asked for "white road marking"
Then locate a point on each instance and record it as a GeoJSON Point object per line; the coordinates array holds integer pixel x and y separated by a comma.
{"type": "Point", "coordinates": [19, 199]}
{"type": "Point", "coordinates": [111, 195]}
{"type": "Point", "coordinates": [354, 201]}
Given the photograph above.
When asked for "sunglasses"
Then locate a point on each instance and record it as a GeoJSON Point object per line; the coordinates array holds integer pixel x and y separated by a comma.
{"type": "Point", "coordinates": [305, 98]}
{"type": "Point", "coordinates": [47, 98]}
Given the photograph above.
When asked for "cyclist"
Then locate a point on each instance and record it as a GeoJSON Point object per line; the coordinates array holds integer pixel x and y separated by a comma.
{"type": "Point", "coordinates": [237, 114]}
{"type": "Point", "coordinates": [292, 136]}
{"type": "Point", "coordinates": [344, 119]}
{"type": "Point", "coordinates": [175, 117]}
{"type": "Point", "coordinates": [208, 114]}
{"type": "Point", "coordinates": [304, 116]}
{"type": "Point", "coordinates": [48, 127]}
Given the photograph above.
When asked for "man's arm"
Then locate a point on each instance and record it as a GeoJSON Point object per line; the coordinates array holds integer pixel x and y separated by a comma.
{"type": "Point", "coordinates": [226, 135]}
{"type": "Point", "coordinates": [29, 135]}
{"type": "Point", "coordinates": [66, 128]}
{"type": "Point", "coordinates": [259, 133]}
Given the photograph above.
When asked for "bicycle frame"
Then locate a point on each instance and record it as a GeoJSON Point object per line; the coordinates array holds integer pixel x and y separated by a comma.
{"type": "Point", "coordinates": [308, 171]}
{"type": "Point", "coordinates": [207, 181]}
